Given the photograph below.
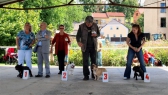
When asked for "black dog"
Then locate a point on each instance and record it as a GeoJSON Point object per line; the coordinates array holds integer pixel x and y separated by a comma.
{"type": "Point", "coordinates": [21, 68]}
{"type": "Point", "coordinates": [138, 72]}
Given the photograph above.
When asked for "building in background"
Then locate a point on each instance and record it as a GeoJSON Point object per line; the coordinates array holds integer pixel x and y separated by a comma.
{"type": "Point", "coordinates": [155, 20]}
{"type": "Point", "coordinates": [137, 14]}
{"type": "Point", "coordinates": [115, 31]}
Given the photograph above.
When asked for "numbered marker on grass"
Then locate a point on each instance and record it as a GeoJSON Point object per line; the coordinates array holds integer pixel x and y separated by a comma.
{"type": "Point", "coordinates": [25, 74]}
{"type": "Point", "coordinates": [105, 77]}
{"type": "Point", "coordinates": [64, 76]}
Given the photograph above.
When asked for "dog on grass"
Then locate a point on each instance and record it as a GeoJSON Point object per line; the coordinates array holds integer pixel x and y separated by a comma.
{"type": "Point", "coordinates": [21, 68]}
{"type": "Point", "coordinates": [138, 72]}
{"type": "Point", "coordinates": [98, 71]}
{"type": "Point", "coordinates": [70, 68]}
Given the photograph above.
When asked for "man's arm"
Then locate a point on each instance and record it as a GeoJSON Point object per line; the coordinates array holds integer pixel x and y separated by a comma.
{"type": "Point", "coordinates": [78, 36]}
{"type": "Point", "coordinates": [98, 32]}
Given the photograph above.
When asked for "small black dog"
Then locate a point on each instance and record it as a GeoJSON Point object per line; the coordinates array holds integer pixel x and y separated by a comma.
{"type": "Point", "coordinates": [21, 68]}
{"type": "Point", "coordinates": [138, 72]}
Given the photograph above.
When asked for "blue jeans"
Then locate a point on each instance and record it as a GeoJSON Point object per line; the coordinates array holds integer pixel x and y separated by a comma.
{"type": "Point", "coordinates": [130, 56]}
{"type": "Point", "coordinates": [99, 58]}
{"type": "Point", "coordinates": [152, 60]}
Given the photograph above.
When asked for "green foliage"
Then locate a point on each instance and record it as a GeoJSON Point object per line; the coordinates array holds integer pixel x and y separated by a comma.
{"type": "Point", "coordinates": [129, 26]}
{"type": "Point", "coordinates": [141, 22]}
{"type": "Point", "coordinates": [12, 21]}
{"type": "Point", "coordinates": [89, 8]}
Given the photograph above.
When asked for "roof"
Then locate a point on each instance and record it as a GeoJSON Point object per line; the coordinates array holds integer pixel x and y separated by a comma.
{"type": "Point", "coordinates": [99, 15]}
{"type": "Point", "coordinates": [115, 14]}
{"type": "Point", "coordinates": [108, 14]}
{"type": "Point", "coordinates": [5, 2]}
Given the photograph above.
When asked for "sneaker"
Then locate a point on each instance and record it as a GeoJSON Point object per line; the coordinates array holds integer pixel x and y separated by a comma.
{"type": "Point", "coordinates": [60, 73]}
{"type": "Point", "coordinates": [47, 76]}
{"type": "Point", "coordinates": [86, 78]}
{"type": "Point", "coordinates": [38, 76]}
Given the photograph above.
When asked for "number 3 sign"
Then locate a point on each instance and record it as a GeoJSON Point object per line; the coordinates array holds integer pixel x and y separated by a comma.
{"type": "Point", "coordinates": [64, 76]}
{"type": "Point", "coordinates": [105, 77]}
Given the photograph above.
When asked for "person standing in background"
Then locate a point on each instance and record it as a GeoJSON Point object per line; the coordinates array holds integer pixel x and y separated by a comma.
{"type": "Point", "coordinates": [43, 38]}
{"type": "Point", "coordinates": [99, 52]}
{"type": "Point", "coordinates": [61, 41]}
{"type": "Point", "coordinates": [24, 41]}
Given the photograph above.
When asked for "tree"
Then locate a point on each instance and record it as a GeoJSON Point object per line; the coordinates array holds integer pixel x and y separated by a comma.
{"type": "Point", "coordinates": [12, 21]}
{"type": "Point", "coordinates": [89, 8]}
{"type": "Point", "coordinates": [141, 22]}
{"type": "Point", "coordinates": [56, 16]}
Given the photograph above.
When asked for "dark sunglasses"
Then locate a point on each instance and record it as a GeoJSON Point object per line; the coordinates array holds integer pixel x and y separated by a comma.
{"type": "Point", "coordinates": [61, 28]}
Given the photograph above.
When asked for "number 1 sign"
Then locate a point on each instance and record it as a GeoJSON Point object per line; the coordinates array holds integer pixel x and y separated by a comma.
{"type": "Point", "coordinates": [25, 74]}
{"type": "Point", "coordinates": [105, 77]}
{"type": "Point", "coordinates": [64, 76]}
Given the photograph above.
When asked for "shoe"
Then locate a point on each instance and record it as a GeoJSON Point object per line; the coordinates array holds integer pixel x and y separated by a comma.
{"type": "Point", "coordinates": [86, 78]}
{"type": "Point", "coordinates": [125, 78]}
{"type": "Point", "coordinates": [38, 76]}
{"type": "Point", "coordinates": [60, 73]}
{"type": "Point", "coordinates": [47, 76]}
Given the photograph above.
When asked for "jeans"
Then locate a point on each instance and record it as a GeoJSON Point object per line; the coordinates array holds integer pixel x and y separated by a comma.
{"type": "Point", "coordinates": [152, 60]}
{"type": "Point", "coordinates": [99, 58]}
{"type": "Point", "coordinates": [25, 55]}
{"type": "Point", "coordinates": [130, 56]}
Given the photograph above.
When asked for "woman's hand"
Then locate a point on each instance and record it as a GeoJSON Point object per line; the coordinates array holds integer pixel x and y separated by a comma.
{"type": "Point", "coordinates": [138, 49]}
{"type": "Point", "coordinates": [135, 49]}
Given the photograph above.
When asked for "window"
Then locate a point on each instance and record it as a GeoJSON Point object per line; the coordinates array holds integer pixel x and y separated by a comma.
{"type": "Point", "coordinates": [162, 10]}
{"type": "Point", "coordinates": [114, 35]}
{"type": "Point", "coordinates": [163, 22]}
{"type": "Point", "coordinates": [111, 28]}
{"type": "Point", "coordinates": [117, 28]}
{"type": "Point", "coordinates": [97, 21]}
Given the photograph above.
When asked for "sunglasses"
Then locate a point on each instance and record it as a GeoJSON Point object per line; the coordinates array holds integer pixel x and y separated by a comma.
{"type": "Point", "coordinates": [61, 28]}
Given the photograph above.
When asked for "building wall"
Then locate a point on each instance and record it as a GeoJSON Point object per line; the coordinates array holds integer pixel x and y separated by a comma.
{"type": "Point", "coordinates": [122, 19]}
{"type": "Point", "coordinates": [152, 19]}
{"type": "Point", "coordinates": [117, 30]}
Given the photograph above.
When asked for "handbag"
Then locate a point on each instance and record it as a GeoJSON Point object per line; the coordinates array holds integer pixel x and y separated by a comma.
{"type": "Point", "coordinates": [35, 48]}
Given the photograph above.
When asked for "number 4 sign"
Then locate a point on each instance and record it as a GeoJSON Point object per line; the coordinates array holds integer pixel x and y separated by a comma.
{"type": "Point", "coordinates": [64, 76]}
{"type": "Point", "coordinates": [25, 74]}
{"type": "Point", "coordinates": [105, 77]}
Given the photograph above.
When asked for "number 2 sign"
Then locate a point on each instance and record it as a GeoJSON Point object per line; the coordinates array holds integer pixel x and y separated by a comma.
{"type": "Point", "coordinates": [64, 76]}
{"type": "Point", "coordinates": [105, 77]}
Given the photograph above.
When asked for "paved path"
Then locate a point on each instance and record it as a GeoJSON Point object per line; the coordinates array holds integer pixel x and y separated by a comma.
{"type": "Point", "coordinates": [11, 85]}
